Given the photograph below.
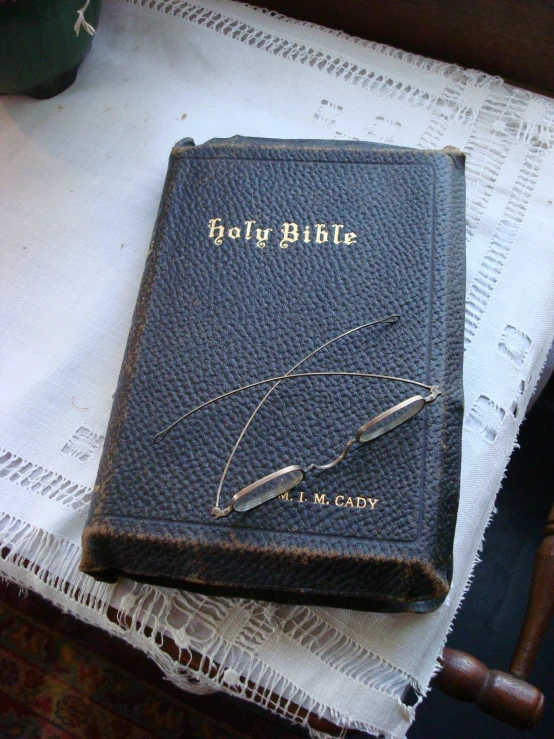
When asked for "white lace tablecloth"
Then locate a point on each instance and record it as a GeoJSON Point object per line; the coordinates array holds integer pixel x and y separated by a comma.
{"type": "Point", "coordinates": [80, 180]}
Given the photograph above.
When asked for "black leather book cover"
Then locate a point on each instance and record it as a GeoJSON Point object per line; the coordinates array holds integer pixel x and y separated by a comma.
{"type": "Point", "coordinates": [263, 251]}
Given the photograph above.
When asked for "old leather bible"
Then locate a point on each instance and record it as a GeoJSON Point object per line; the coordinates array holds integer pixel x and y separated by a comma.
{"type": "Point", "coordinates": [287, 423]}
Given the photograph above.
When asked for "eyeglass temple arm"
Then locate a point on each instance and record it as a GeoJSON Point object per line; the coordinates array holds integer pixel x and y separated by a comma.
{"type": "Point", "coordinates": [368, 375]}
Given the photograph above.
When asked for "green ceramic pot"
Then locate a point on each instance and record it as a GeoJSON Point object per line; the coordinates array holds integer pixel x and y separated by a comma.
{"type": "Point", "coordinates": [40, 48]}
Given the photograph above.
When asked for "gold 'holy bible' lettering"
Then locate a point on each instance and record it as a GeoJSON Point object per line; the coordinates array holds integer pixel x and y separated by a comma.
{"type": "Point", "coordinates": [291, 233]}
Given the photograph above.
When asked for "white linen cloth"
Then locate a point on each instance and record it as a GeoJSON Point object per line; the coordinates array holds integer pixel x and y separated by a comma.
{"type": "Point", "coordinates": [81, 178]}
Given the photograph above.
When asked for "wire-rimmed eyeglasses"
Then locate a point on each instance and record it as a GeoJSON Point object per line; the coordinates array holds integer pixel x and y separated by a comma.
{"type": "Point", "coordinates": [285, 479]}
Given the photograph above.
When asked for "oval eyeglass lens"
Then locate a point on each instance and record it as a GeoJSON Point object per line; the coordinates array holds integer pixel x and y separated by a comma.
{"type": "Point", "coordinates": [265, 489]}
{"type": "Point", "coordinates": [385, 422]}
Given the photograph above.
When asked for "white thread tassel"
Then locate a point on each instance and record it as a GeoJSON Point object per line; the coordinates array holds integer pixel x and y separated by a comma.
{"type": "Point", "coordinates": [82, 22]}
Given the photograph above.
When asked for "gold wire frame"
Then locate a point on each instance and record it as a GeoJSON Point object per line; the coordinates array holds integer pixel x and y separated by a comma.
{"type": "Point", "coordinates": [285, 479]}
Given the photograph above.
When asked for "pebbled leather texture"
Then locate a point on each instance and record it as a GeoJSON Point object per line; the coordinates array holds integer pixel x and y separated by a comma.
{"type": "Point", "coordinates": [211, 318]}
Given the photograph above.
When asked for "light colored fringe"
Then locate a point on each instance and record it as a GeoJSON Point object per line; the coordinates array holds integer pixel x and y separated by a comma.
{"type": "Point", "coordinates": [82, 22]}
{"type": "Point", "coordinates": [39, 557]}
{"type": "Point", "coordinates": [43, 482]}
{"type": "Point", "coordinates": [226, 633]}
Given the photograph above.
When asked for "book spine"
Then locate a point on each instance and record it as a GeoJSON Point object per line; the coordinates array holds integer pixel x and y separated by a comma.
{"type": "Point", "coordinates": [130, 359]}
